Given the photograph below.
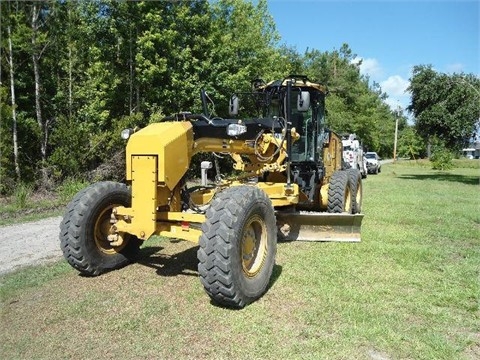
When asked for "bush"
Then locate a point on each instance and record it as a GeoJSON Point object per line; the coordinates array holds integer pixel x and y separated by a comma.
{"type": "Point", "coordinates": [67, 190]}
{"type": "Point", "coordinates": [71, 143]}
{"type": "Point", "coordinates": [442, 158]}
{"type": "Point", "coordinates": [21, 195]}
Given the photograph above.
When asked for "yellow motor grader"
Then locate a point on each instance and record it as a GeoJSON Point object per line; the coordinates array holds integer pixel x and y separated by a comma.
{"type": "Point", "coordinates": [287, 184]}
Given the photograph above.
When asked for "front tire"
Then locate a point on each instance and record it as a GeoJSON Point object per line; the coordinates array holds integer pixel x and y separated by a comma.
{"type": "Point", "coordinates": [85, 227]}
{"type": "Point", "coordinates": [238, 246]}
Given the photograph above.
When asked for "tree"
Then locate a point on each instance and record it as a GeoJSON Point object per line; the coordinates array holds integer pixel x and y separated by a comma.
{"type": "Point", "coordinates": [7, 175]}
{"type": "Point", "coordinates": [13, 102]}
{"type": "Point", "coordinates": [410, 144]}
{"type": "Point", "coordinates": [21, 146]}
{"type": "Point", "coordinates": [353, 105]}
{"type": "Point", "coordinates": [84, 70]}
{"type": "Point", "coordinates": [245, 40]}
{"type": "Point", "coordinates": [445, 107]}
{"type": "Point", "coordinates": [39, 42]}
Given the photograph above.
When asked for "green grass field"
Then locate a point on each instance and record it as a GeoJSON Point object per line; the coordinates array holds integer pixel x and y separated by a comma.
{"type": "Point", "coordinates": [409, 290]}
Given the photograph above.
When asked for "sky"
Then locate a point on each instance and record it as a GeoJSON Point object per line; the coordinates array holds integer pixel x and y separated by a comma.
{"type": "Point", "coordinates": [390, 36]}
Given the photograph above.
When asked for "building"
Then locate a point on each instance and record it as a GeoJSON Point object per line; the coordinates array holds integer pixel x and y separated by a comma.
{"type": "Point", "coordinates": [473, 151]}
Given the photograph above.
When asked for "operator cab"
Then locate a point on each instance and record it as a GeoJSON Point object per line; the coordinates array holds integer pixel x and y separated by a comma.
{"type": "Point", "coordinates": [302, 104]}
{"type": "Point", "coordinates": [302, 120]}
{"type": "Point", "coordinates": [293, 109]}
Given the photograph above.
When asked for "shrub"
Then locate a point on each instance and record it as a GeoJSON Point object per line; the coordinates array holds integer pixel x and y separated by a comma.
{"type": "Point", "coordinates": [67, 190]}
{"type": "Point", "coordinates": [21, 195]}
{"type": "Point", "coordinates": [442, 158]}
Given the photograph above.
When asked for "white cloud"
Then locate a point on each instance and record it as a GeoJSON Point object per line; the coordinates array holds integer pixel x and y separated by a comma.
{"type": "Point", "coordinates": [369, 67]}
{"type": "Point", "coordinates": [395, 85]}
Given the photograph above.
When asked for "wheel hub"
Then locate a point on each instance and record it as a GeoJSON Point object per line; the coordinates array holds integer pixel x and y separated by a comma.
{"type": "Point", "coordinates": [103, 233]}
{"type": "Point", "coordinates": [254, 246]}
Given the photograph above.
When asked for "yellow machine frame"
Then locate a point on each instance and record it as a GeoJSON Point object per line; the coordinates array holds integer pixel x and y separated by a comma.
{"type": "Point", "coordinates": [158, 157]}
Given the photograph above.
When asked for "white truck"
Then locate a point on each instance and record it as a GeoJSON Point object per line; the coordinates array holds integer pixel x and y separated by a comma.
{"type": "Point", "coordinates": [353, 154]}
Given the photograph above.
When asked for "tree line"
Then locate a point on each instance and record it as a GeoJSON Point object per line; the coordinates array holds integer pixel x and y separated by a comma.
{"type": "Point", "coordinates": [74, 73]}
{"type": "Point", "coordinates": [446, 109]}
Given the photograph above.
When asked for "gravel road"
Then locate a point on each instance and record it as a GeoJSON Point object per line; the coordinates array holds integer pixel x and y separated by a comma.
{"type": "Point", "coordinates": [29, 243]}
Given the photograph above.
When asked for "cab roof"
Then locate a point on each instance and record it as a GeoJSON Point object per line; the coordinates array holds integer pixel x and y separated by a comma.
{"type": "Point", "coordinates": [300, 81]}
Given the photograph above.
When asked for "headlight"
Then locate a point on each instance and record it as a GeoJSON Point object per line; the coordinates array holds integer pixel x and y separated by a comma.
{"type": "Point", "coordinates": [125, 134]}
{"type": "Point", "coordinates": [236, 129]}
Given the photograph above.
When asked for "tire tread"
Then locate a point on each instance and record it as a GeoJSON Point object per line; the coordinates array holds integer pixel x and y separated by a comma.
{"type": "Point", "coordinates": [74, 221]}
{"type": "Point", "coordinates": [215, 245]}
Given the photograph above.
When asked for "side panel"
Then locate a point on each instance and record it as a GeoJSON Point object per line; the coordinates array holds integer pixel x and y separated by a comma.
{"type": "Point", "coordinates": [170, 142]}
{"type": "Point", "coordinates": [142, 214]}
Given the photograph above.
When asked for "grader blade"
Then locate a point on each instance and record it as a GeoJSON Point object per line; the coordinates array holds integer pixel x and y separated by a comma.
{"type": "Point", "coordinates": [312, 226]}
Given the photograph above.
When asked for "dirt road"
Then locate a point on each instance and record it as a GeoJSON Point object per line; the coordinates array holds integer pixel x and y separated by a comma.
{"type": "Point", "coordinates": [29, 244]}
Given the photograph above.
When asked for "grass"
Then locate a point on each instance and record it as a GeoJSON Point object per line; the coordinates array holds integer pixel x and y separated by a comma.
{"type": "Point", "coordinates": [409, 290]}
{"type": "Point", "coordinates": [467, 163]}
{"type": "Point", "coordinates": [32, 207]}
{"type": "Point", "coordinates": [26, 205]}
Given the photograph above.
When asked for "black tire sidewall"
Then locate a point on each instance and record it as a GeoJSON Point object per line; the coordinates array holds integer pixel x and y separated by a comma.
{"type": "Point", "coordinates": [99, 259]}
{"type": "Point", "coordinates": [220, 246]}
{"type": "Point", "coordinates": [78, 229]}
{"type": "Point", "coordinates": [339, 183]}
{"type": "Point", "coordinates": [251, 287]}
{"type": "Point", "coordinates": [355, 178]}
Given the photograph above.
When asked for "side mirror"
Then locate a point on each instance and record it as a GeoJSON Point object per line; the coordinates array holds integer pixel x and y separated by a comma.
{"type": "Point", "coordinates": [303, 101]}
{"type": "Point", "coordinates": [233, 105]}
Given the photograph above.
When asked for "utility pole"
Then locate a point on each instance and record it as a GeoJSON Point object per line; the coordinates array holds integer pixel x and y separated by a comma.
{"type": "Point", "coordinates": [396, 134]}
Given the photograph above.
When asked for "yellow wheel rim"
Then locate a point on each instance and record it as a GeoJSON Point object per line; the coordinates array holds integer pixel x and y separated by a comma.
{"type": "Point", "coordinates": [254, 246]}
{"type": "Point", "coordinates": [359, 194]}
{"type": "Point", "coordinates": [101, 231]}
{"type": "Point", "coordinates": [348, 200]}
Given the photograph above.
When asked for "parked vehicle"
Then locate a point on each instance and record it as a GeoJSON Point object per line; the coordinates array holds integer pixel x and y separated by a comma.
{"type": "Point", "coordinates": [290, 185]}
{"type": "Point", "coordinates": [353, 154]}
{"type": "Point", "coordinates": [373, 162]}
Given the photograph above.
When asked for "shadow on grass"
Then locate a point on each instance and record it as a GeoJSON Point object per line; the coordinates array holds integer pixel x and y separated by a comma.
{"type": "Point", "coordinates": [182, 263]}
{"type": "Point", "coordinates": [468, 180]}
{"type": "Point", "coordinates": [277, 270]}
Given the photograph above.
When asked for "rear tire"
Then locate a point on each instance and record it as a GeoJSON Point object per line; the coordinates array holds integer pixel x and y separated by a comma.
{"type": "Point", "coordinates": [85, 225]}
{"type": "Point", "coordinates": [356, 190]}
{"type": "Point", "coordinates": [339, 193]}
{"type": "Point", "coordinates": [238, 246]}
